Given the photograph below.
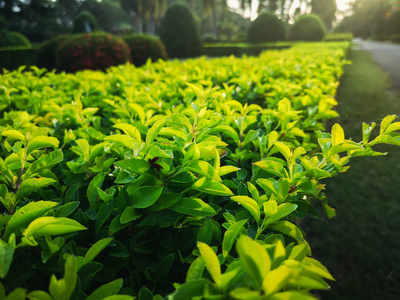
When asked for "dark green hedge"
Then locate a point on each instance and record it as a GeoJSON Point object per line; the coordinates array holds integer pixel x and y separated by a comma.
{"type": "Point", "coordinates": [13, 58]}
{"type": "Point", "coordinates": [240, 49]}
{"type": "Point", "coordinates": [266, 28]}
{"type": "Point", "coordinates": [143, 47]}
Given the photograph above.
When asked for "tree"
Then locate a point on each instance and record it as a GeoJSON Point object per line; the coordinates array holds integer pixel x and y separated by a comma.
{"type": "Point", "coordinates": [326, 10]}
{"type": "Point", "coordinates": [135, 8]}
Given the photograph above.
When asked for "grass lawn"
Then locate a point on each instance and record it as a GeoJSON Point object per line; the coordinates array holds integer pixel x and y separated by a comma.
{"type": "Point", "coordinates": [361, 245]}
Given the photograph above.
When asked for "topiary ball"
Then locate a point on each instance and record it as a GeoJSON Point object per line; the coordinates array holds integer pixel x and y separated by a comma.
{"type": "Point", "coordinates": [93, 51]}
{"type": "Point", "coordinates": [179, 32]}
{"type": "Point", "coordinates": [144, 46]}
{"type": "Point", "coordinates": [85, 22]}
{"type": "Point", "coordinates": [46, 54]}
{"type": "Point", "coordinates": [13, 39]}
{"type": "Point", "coordinates": [307, 28]}
{"type": "Point", "coordinates": [266, 28]}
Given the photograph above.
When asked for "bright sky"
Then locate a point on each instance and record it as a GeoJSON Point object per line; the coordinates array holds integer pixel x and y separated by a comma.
{"type": "Point", "coordinates": [341, 4]}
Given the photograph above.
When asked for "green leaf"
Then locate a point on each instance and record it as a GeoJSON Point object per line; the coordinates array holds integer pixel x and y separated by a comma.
{"type": "Point", "coordinates": [285, 150]}
{"type": "Point", "coordinates": [92, 191]}
{"type": "Point", "coordinates": [44, 162]}
{"type": "Point", "coordinates": [124, 140]}
{"type": "Point", "coordinates": [211, 260]}
{"type": "Point", "coordinates": [308, 283]}
{"type": "Point", "coordinates": [249, 204]}
{"type": "Point", "coordinates": [193, 207]}
{"type": "Point", "coordinates": [134, 165]}
{"type": "Point", "coordinates": [6, 255]}
{"type": "Point", "coordinates": [70, 276]}
{"type": "Point", "coordinates": [203, 168]}
{"type": "Point", "coordinates": [337, 135]}
{"type": "Point", "coordinates": [155, 129]}
{"type": "Point", "coordinates": [209, 186]}
{"type": "Point", "coordinates": [289, 229]}
{"type": "Point", "coordinates": [366, 129]}
{"type": "Point", "coordinates": [52, 226]}
{"type": "Point", "coordinates": [255, 259]}
{"type": "Point", "coordinates": [166, 200]}
{"type": "Point", "coordinates": [17, 294]}
{"type": "Point", "coordinates": [191, 290]}
{"type": "Point", "coordinates": [106, 290]}
{"type": "Point", "coordinates": [196, 269]}
{"type": "Point", "coordinates": [14, 134]}
{"type": "Point", "coordinates": [230, 236]}
{"type": "Point", "coordinates": [244, 293]}
{"type": "Point", "coordinates": [267, 185]}
{"type": "Point", "coordinates": [227, 170]}
{"type": "Point", "coordinates": [39, 295]}
{"type": "Point", "coordinates": [57, 288]}
{"type": "Point", "coordinates": [386, 122]}
{"type": "Point", "coordinates": [276, 280]}
{"type": "Point", "coordinates": [291, 295]}
{"type": "Point", "coordinates": [128, 129]}
{"type": "Point", "coordinates": [272, 167]}
{"type": "Point", "coordinates": [146, 196]}
{"type": "Point", "coordinates": [67, 209]}
{"type": "Point", "coordinates": [42, 142]}
{"type": "Point", "coordinates": [33, 184]}
{"type": "Point", "coordinates": [129, 214]}
{"type": "Point", "coordinates": [96, 249]}
{"type": "Point", "coordinates": [27, 214]}
{"type": "Point", "coordinates": [282, 211]}
{"type": "Point", "coordinates": [392, 127]}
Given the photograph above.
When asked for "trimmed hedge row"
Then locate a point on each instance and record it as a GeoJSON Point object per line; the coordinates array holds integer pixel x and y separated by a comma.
{"type": "Point", "coordinates": [13, 58]}
{"type": "Point", "coordinates": [95, 51]}
{"type": "Point", "coordinates": [239, 49]}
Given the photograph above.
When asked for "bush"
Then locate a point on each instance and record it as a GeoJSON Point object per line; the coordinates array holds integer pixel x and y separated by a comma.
{"type": "Point", "coordinates": [266, 28]}
{"type": "Point", "coordinates": [307, 28]}
{"type": "Point", "coordinates": [13, 58]}
{"type": "Point", "coordinates": [143, 47]}
{"type": "Point", "coordinates": [46, 54]}
{"type": "Point", "coordinates": [94, 51]}
{"type": "Point", "coordinates": [179, 32]}
{"type": "Point", "coordinates": [13, 39]}
{"type": "Point", "coordinates": [85, 22]}
{"type": "Point", "coordinates": [338, 37]}
{"type": "Point", "coordinates": [395, 38]}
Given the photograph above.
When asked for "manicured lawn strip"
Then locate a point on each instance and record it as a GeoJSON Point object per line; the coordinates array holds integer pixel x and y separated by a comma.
{"type": "Point", "coordinates": [361, 244]}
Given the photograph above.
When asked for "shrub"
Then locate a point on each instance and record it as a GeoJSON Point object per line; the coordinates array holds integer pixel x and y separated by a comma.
{"type": "Point", "coordinates": [307, 28]}
{"type": "Point", "coordinates": [13, 58]}
{"type": "Point", "coordinates": [46, 54]}
{"type": "Point", "coordinates": [13, 39]}
{"type": "Point", "coordinates": [94, 51]}
{"type": "Point", "coordinates": [143, 47]}
{"type": "Point", "coordinates": [338, 37]}
{"type": "Point", "coordinates": [85, 22]}
{"type": "Point", "coordinates": [179, 32]}
{"type": "Point", "coordinates": [266, 28]}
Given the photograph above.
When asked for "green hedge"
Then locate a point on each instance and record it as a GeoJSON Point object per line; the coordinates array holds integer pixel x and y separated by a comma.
{"type": "Point", "coordinates": [13, 58]}
{"type": "Point", "coordinates": [239, 49]}
{"type": "Point", "coordinates": [338, 37]}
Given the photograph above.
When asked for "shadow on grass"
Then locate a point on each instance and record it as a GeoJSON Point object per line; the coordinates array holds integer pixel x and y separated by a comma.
{"type": "Point", "coordinates": [361, 245]}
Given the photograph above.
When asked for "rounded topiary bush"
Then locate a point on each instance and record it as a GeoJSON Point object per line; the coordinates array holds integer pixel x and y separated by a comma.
{"type": "Point", "coordinates": [46, 54]}
{"type": "Point", "coordinates": [13, 39]}
{"type": "Point", "coordinates": [266, 28]}
{"type": "Point", "coordinates": [85, 22]}
{"type": "Point", "coordinates": [93, 51]}
{"type": "Point", "coordinates": [179, 32]}
{"type": "Point", "coordinates": [143, 47]}
{"type": "Point", "coordinates": [307, 28]}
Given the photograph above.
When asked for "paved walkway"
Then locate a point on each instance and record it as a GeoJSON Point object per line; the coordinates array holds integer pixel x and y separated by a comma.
{"type": "Point", "coordinates": [387, 56]}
